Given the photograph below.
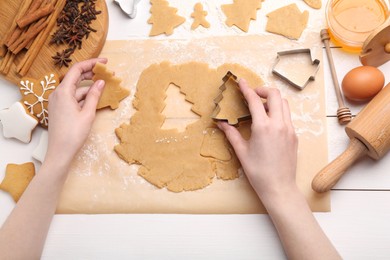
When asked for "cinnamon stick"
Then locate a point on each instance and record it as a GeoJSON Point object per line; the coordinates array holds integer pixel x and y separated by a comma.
{"type": "Point", "coordinates": [22, 10]}
{"type": "Point", "coordinates": [3, 51]}
{"type": "Point", "coordinates": [17, 32]}
{"type": "Point", "coordinates": [8, 65]}
{"type": "Point", "coordinates": [15, 35]}
{"type": "Point", "coordinates": [39, 41]}
{"type": "Point", "coordinates": [35, 5]}
{"type": "Point", "coordinates": [5, 62]}
{"type": "Point", "coordinates": [35, 16]}
{"type": "Point", "coordinates": [28, 36]}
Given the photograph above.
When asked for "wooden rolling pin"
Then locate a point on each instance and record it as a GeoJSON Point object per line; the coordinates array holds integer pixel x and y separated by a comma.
{"type": "Point", "coordinates": [369, 134]}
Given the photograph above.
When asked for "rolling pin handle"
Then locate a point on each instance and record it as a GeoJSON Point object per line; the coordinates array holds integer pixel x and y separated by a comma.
{"type": "Point", "coordinates": [330, 174]}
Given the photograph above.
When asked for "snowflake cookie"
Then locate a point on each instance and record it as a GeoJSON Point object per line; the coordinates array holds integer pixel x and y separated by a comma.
{"type": "Point", "coordinates": [35, 96]}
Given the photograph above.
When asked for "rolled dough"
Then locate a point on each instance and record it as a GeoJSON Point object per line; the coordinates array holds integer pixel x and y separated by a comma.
{"type": "Point", "coordinates": [180, 161]}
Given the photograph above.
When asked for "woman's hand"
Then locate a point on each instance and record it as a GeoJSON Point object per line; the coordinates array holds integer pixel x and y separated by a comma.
{"type": "Point", "coordinates": [269, 157]}
{"type": "Point", "coordinates": [72, 111]}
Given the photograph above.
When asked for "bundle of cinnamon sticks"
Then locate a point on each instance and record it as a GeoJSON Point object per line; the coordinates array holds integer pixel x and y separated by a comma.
{"type": "Point", "coordinates": [29, 30]}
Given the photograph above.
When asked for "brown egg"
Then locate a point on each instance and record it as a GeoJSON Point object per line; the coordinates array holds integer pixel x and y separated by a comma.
{"type": "Point", "coordinates": [362, 83]}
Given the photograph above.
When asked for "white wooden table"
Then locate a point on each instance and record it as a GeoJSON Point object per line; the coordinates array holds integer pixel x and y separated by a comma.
{"type": "Point", "coordinates": [359, 224]}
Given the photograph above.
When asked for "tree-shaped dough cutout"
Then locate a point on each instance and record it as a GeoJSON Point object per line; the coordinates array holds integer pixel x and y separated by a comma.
{"type": "Point", "coordinates": [241, 12]}
{"type": "Point", "coordinates": [164, 18]}
{"type": "Point", "coordinates": [231, 105]}
{"type": "Point", "coordinates": [113, 92]}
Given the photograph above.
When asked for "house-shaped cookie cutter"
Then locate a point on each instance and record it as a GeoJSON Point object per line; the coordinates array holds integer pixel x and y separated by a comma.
{"type": "Point", "coordinates": [217, 100]}
{"type": "Point", "coordinates": [314, 62]}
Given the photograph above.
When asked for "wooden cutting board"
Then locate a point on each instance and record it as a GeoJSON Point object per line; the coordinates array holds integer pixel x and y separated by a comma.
{"type": "Point", "coordinates": [44, 64]}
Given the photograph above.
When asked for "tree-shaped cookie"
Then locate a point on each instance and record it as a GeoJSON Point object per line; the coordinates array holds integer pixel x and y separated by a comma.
{"type": "Point", "coordinates": [113, 93]}
{"type": "Point", "coordinates": [241, 12]}
{"type": "Point", "coordinates": [230, 103]}
{"type": "Point", "coordinates": [164, 18]}
{"type": "Point", "coordinates": [199, 16]}
{"type": "Point", "coordinates": [287, 21]}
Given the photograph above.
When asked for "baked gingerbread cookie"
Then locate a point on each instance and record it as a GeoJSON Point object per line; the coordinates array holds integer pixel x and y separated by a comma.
{"type": "Point", "coordinates": [35, 96]}
{"type": "Point", "coordinates": [17, 177]}
{"type": "Point", "coordinates": [17, 122]}
{"type": "Point", "coordinates": [113, 93]}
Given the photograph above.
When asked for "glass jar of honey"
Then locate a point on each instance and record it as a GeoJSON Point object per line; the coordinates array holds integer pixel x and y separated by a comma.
{"type": "Point", "coordinates": [350, 22]}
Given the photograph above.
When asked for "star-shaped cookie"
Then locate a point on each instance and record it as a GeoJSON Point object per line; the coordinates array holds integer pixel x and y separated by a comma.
{"type": "Point", "coordinates": [39, 152]}
{"type": "Point", "coordinates": [113, 93]}
{"type": "Point", "coordinates": [17, 123]}
{"type": "Point", "coordinates": [17, 177]}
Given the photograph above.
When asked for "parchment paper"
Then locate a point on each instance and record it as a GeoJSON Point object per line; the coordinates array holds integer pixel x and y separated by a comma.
{"type": "Point", "coordinates": [100, 182]}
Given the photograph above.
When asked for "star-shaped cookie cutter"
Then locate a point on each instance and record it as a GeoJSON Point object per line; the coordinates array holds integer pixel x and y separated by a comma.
{"type": "Point", "coordinates": [129, 7]}
{"type": "Point", "coordinates": [314, 62]}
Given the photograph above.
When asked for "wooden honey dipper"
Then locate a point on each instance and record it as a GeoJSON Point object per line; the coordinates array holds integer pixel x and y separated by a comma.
{"type": "Point", "coordinates": [343, 113]}
{"type": "Point", "coordinates": [369, 134]}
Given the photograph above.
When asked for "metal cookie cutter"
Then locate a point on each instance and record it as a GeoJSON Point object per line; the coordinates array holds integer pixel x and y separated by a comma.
{"type": "Point", "coordinates": [239, 108]}
{"type": "Point", "coordinates": [129, 7]}
{"type": "Point", "coordinates": [292, 80]}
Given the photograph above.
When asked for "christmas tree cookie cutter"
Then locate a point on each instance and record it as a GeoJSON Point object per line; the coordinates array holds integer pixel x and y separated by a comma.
{"type": "Point", "coordinates": [230, 104]}
{"type": "Point", "coordinates": [295, 78]}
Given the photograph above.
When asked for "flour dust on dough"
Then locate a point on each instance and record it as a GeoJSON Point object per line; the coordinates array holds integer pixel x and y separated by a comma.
{"type": "Point", "coordinates": [181, 161]}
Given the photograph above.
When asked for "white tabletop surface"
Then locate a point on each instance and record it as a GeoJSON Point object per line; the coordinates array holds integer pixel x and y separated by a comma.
{"type": "Point", "coordinates": [358, 225]}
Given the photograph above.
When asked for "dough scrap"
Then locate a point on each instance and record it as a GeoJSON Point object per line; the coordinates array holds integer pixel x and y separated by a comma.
{"type": "Point", "coordinates": [241, 12]}
{"type": "Point", "coordinates": [287, 21]}
{"type": "Point", "coordinates": [35, 96]}
{"type": "Point", "coordinates": [17, 122]}
{"type": "Point", "coordinates": [316, 4]}
{"type": "Point", "coordinates": [214, 145]}
{"type": "Point", "coordinates": [164, 18]}
{"type": "Point", "coordinates": [169, 158]}
{"type": "Point", "coordinates": [231, 103]}
{"type": "Point", "coordinates": [199, 16]}
{"type": "Point", "coordinates": [17, 177]}
{"type": "Point", "coordinates": [113, 93]}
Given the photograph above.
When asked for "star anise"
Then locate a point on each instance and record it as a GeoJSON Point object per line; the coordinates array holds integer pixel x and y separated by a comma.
{"type": "Point", "coordinates": [58, 37]}
{"type": "Point", "coordinates": [74, 24]}
{"type": "Point", "coordinates": [63, 58]}
{"type": "Point", "coordinates": [74, 40]}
